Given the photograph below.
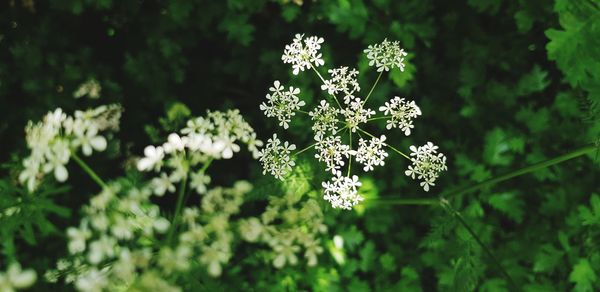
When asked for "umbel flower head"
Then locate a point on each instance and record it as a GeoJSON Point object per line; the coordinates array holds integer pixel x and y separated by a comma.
{"type": "Point", "coordinates": [58, 136]}
{"type": "Point", "coordinates": [339, 121]}
{"type": "Point", "coordinates": [215, 136]}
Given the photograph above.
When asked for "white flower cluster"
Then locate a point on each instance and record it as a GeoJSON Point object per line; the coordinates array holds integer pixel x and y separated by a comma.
{"type": "Point", "coordinates": [207, 233]}
{"type": "Point", "coordinates": [303, 53]}
{"type": "Point", "coordinates": [342, 191]}
{"type": "Point", "coordinates": [275, 157]}
{"type": "Point", "coordinates": [288, 225]}
{"type": "Point", "coordinates": [385, 56]}
{"type": "Point", "coordinates": [427, 164]}
{"type": "Point", "coordinates": [109, 248]}
{"type": "Point", "coordinates": [331, 121]}
{"type": "Point", "coordinates": [282, 104]}
{"type": "Point", "coordinates": [58, 136]}
{"type": "Point", "coordinates": [343, 80]}
{"type": "Point", "coordinates": [16, 279]}
{"type": "Point", "coordinates": [371, 154]}
{"type": "Point", "coordinates": [202, 140]}
{"type": "Point", "coordinates": [402, 113]}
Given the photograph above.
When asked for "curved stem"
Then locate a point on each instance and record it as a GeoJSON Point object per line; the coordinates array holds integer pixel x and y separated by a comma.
{"type": "Point", "coordinates": [409, 201]}
{"type": "Point", "coordinates": [178, 207]}
{"type": "Point", "coordinates": [373, 87]}
{"type": "Point", "coordinates": [88, 170]}
{"type": "Point", "coordinates": [301, 111]}
{"type": "Point", "coordinates": [446, 205]}
{"type": "Point", "coordinates": [350, 158]}
{"type": "Point", "coordinates": [524, 170]}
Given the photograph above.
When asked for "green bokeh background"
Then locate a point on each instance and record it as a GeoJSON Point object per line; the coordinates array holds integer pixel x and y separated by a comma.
{"type": "Point", "coordinates": [502, 84]}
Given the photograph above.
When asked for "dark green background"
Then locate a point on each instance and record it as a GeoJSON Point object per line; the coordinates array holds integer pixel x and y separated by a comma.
{"type": "Point", "coordinates": [502, 84]}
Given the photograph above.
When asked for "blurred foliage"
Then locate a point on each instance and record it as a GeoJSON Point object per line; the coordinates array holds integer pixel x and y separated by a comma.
{"type": "Point", "coordinates": [502, 84]}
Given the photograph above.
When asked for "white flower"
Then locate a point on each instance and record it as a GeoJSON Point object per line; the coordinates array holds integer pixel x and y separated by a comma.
{"type": "Point", "coordinates": [174, 143]}
{"type": "Point", "coordinates": [101, 249]}
{"type": "Point", "coordinates": [303, 56]}
{"type": "Point", "coordinates": [91, 88]}
{"type": "Point", "coordinates": [213, 256]}
{"type": "Point", "coordinates": [251, 229]}
{"type": "Point", "coordinates": [57, 158]}
{"type": "Point", "coordinates": [325, 119]}
{"type": "Point", "coordinates": [427, 164]}
{"type": "Point", "coordinates": [162, 184]}
{"type": "Point", "coordinates": [92, 281]}
{"type": "Point", "coordinates": [342, 81]}
{"type": "Point", "coordinates": [16, 278]}
{"type": "Point", "coordinates": [385, 56]}
{"type": "Point", "coordinates": [356, 114]}
{"type": "Point", "coordinates": [282, 104]}
{"type": "Point", "coordinates": [331, 151]}
{"type": "Point", "coordinates": [371, 154]}
{"type": "Point", "coordinates": [89, 139]}
{"type": "Point", "coordinates": [199, 181]}
{"type": "Point", "coordinates": [77, 238]}
{"type": "Point", "coordinates": [285, 252]}
{"type": "Point", "coordinates": [153, 158]}
{"type": "Point", "coordinates": [342, 191]}
{"type": "Point", "coordinates": [275, 157]}
{"type": "Point", "coordinates": [402, 114]}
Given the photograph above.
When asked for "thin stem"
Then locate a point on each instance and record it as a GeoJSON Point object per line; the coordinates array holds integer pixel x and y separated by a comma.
{"type": "Point", "coordinates": [524, 170]}
{"type": "Point", "coordinates": [446, 205]}
{"type": "Point", "coordinates": [388, 145]}
{"type": "Point", "coordinates": [305, 149]}
{"type": "Point", "coordinates": [378, 118]}
{"type": "Point", "coordinates": [88, 170]}
{"type": "Point", "coordinates": [409, 201]}
{"type": "Point", "coordinates": [350, 158]}
{"type": "Point", "coordinates": [373, 87]}
{"type": "Point", "coordinates": [301, 111]}
{"type": "Point", "coordinates": [178, 207]}
{"type": "Point", "coordinates": [323, 80]}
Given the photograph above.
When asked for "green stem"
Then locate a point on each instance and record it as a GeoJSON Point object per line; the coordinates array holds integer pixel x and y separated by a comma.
{"type": "Point", "coordinates": [305, 149]}
{"type": "Point", "coordinates": [446, 205]}
{"type": "Point", "coordinates": [350, 158]}
{"type": "Point", "coordinates": [323, 80]}
{"type": "Point", "coordinates": [524, 170]}
{"type": "Point", "coordinates": [373, 87]}
{"type": "Point", "coordinates": [178, 207]}
{"type": "Point", "coordinates": [377, 118]}
{"type": "Point", "coordinates": [301, 111]}
{"type": "Point", "coordinates": [88, 170]}
{"type": "Point", "coordinates": [388, 145]}
{"type": "Point", "coordinates": [410, 201]}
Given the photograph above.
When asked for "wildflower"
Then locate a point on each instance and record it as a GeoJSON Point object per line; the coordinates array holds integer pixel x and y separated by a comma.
{"type": "Point", "coordinates": [15, 278]}
{"type": "Point", "coordinates": [325, 119]}
{"type": "Point", "coordinates": [77, 238]}
{"type": "Point", "coordinates": [331, 151]}
{"type": "Point", "coordinates": [153, 158]}
{"type": "Point", "coordinates": [426, 165]}
{"type": "Point", "coordinates": [282, 104]}
{"type": "Point", "coordinates": [162, 184]}
{"type": "Point", "coordinates": [385, 56]}
{"type": "Point", "coordinates": [303, 53]}
{"type": "Point", "coordinates": [275, 157]}
{"type": "Point", "coordinates": [91, 88]}
{"type": "Point", "coordinates": [371, 154]}
{"type": "Point", "coordinates": [88, 139]}
{"type": "Point", "coordinates": [342, 191]}
{"type": "Point", "coordinates": [213, 256]}
{"type": "Point", "coordinates": [342, 81]}
{"type": "Point", "coordinates": [251, 229]}
{"type": "Point", "coordinates": [356, 114]}
{"type": "Point", "coordinates": [285, 252]}
{"type": "Point", "coordinates": [402, 114]}
{"type": "Point", "coordinates": [199, 182]}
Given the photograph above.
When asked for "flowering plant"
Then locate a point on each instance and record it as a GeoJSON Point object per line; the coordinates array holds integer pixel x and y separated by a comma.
{"type": "Point", "coordinates": [338, 122]}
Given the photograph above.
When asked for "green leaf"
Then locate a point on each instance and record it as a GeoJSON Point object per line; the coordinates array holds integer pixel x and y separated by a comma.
{"type": "Point", "coordinates": [590, 216]}
{"type": "Point", "coordinates": [509, 204]}
{"type": "Point", "coordinates": [534, 81]}
{"type": "Point", "coordinates": [497, 148]}
{"type": "Point", "coordinates": [547, 259]}
{"type": "Point", "coordinates": [583, 276]}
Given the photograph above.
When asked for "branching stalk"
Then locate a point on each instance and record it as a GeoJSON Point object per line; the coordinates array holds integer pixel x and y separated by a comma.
{"type": "Point", "coordinates": [88, 170]}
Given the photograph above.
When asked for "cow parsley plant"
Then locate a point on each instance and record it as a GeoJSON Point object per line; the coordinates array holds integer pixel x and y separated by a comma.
{"type": "Point", "coordinates": [339, 119]}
